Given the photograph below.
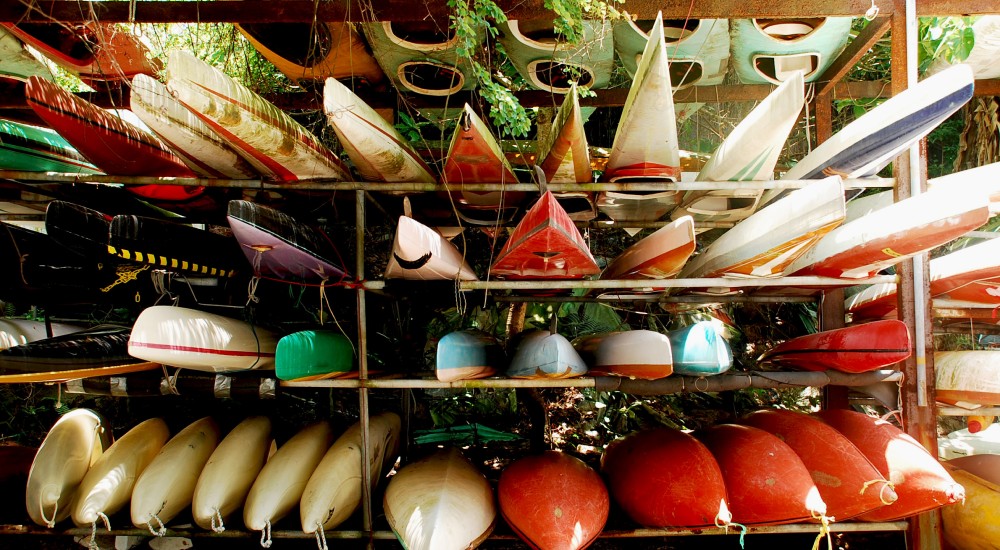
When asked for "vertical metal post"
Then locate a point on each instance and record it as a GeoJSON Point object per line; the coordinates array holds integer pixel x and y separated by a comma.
{"type": "Point", "coordinates": [366, 466]}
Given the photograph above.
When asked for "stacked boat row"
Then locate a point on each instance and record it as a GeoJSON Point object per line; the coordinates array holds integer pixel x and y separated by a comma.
{"type": "Point", "coordinates": [774, 467]}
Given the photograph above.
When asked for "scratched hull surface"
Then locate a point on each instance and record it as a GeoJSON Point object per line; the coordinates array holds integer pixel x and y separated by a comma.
{"type": "Point", "coordinates": [858, 348]}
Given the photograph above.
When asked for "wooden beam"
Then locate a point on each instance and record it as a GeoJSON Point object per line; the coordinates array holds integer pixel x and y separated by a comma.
{"type": "Point", "coordinates": [867, 38]}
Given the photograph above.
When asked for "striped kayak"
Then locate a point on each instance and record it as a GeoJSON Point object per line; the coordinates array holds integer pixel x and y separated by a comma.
{"type": "Point", "coordinates": [549, 63]}
{"type": "Point", "coordinates": [859, 249]}
{"type": "Point", "coordinates": [98, 351]}
{"type": "Point", "coordinates": [191, 139]}
{"type": "Point", "coordinates": [544, 354]}
{"type": "Point", "coordinates": [660, 255]}
{"type": "Point", "coordinates": [314, 355]}
{"type": "Point", "coordinates": [313, 51]}
{"type": "Point", "coordinates": [970, 276]}
{"type": "Point", "coordinates": [192, 339]}
{"type": "Point", "coordinates": [421, 253]}
{"type": "Point", "coordinates": [648, 111]}
{"type": "Point", "coordinates": [858, 348]}
{"type": "Point", "coordinates": [768, 51]}
{"type": "Point", "coordinates": [474, 156]}
{"type": "Point", "coordinates": [764, 244]}
{"type": "Point", "coordinates": [377, 150]}
{"type": "Point", "coordinates": [269, 139]}
{"type": "Point", "coordinates": [175, 246]}
{"type": "Point", "coordinates": [468, 355]}
{"type": "Point", "coordinates": [280, 247]}
{"type": "Point", "coordinates": [868, 144]}
{"type": "Point", "coordinates": [698, 48]}
{"type": "Point", "coordinates": [642, 354]}
{"type": "Point", "coordinates": [39, 149]}
{"type": "Point", "coordinates": [545, 244]}
{"type": "Point", "coordinates": [419, 58]}
{"type": "Point", "coordinates": [749, 153]}
{"type": "Point", "coordinates": [699, 350]}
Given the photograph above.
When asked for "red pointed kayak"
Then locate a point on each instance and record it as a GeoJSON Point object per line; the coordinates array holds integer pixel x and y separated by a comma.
{"type": "Point", "coordinates": [846, 479]}
{"type": "Point", "coordinates": [545, 245]}
{"type": "Point", "coordinates": [859, 348]}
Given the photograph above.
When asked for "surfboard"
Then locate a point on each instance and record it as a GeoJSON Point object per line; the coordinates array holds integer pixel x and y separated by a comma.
{"type": "Point", "coordinates": [71, 446]}
{"type": "Point", "coordinates": [333, 492]}
{"type": "Point", "coordinates": [165, 488]}
{"type": "Point", "coordinates": [441, 501]}
{"type": "Point", "coordinates": [108, 485]}
{"type": "Point", "coordinates": [230, 472]}
{"type": "Point", "coordinates": [192, 339]}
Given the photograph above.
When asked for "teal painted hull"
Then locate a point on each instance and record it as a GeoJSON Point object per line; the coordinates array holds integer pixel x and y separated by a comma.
{"type": "Point", "coordinates": [314, 355]}
{"type": "Point", "coordinates": [698, 350]}
{"type": "Point", "coordinates": [428, 66]}
{"type": "Point", "coordinates": [550, 63]}
{"type": "Point", "coordinates": [38, 149]}
{"type": "Point", "coordinates": [466, 355]}
{"type": "Point", "coordinates": [759, 58]}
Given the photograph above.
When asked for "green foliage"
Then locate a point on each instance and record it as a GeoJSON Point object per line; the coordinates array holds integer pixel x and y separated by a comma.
{"type": "Point", "coordinates": [571, 13]}
{"type": "Point", "coordinates": [480, 404]}
{"type": "Point", "coordinates": [947, 38]}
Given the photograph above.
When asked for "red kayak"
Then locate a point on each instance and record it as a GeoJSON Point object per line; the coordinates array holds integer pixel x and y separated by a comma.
{"type": "Point", "coordinates": [553, 501]}
{"type": "Point", "coordinates": [766, 480]}
{"type": "Point", "coordinates": [848, 483]}
{"type": "Point", "coordinates": [859, 348]}
{"type": "Point", "coordinates": [545, 245]}
{"type": "Point", "coordinates": [666, 478]}
{"type": "Point", "coordinates": [920, 482]}
{"type": "Point", "coordinates": [109, 142]}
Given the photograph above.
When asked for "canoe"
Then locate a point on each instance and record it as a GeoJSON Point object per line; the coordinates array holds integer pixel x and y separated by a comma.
{"type": "Point", "coordinates": [280, 247]}
{"type": "Point", "coordinates": [847, 482]}
{"type": "Point", "coordinates": [191, 139]}
{"type": "Point", "coordinates": [314, 355]}
{"type": "Point", "coordinates": [749, 153]}
{"type": "Point", "coordinates": [660, 255]}
{"type": "Point", "coordinates": [975, 523]}
{"type": "Point", "coordinates": [564, 157]}
{"type": "Point", "coordinates": [474, 156]}
{"type": "Point", "coordinates": [230, 472]}
{"type": "Point", "coordinates": [689, 494]}
{"type": "Point", "coordinates": [99, 53]}
{"type": "Point", "coordinates": [920, 482]}
{"type": "Point", "coordinates": [970, 275]}
{"type": "Point", "coordinates": [553, 500]}
{"type": "Point", "coordinates": [543, 354]}
{"type": "Point", "coordinates": [419, 58]}
{"type": "Point", "coordinates": [108, 485]}
{"type": "Point", "coordinates": [38, 149]}
{"type": "Point", "coordinates": [642, 354]}
{"type": "Point", "coordinates": [280, 483]}
{"type": "Point", "coordinates": [545, 244]}
{"type": "Point", "coordinates": [858, 348]}
{"type": "Point", "coordinates": [421, 253]}
{"type": "Point", "coordinates": [333, 492]}
{"type": "Point", "coordinates": [112, 144]}
{"type": "Point", "coordinates": [768, 51]}
{"type": "Point", "coordinates": [648, 111]}
{"type": "Point", "coordinates": [175, 246]}
{"type": "Point", "coordinates": [313, 51]}
{"type": "Point", "coordinates": [468, 355]}
{"type": "Point", "coordinates": [16, 332]}
{"type": "Point", "coordinates": [164, 489]}
{"type": "Point", "coordinates": [79, 228]}
{"type": "Point", "coordinates": [764, 244]}
{"type": "Point", "coordinates": [967, 378]}
{"type": "Point", "coordinates": [268, 138]}
{"type": "Point", "coordinates": [699, 350]}
{"type": "Point", "coordinates": [698, 48]}
{"type": "Point", "coordinates": [71, 446]}
{"type": "Point", "coordinates": [97, 351]}
{"type": "Point", "coordinates": [766, 481]}
{"type": "Point", "coordinates": [376, 148]}
{"type": "Point", "coordinates": [192, 339]}
{"type": "Point", "coordinates": [549, 63]}
{"type": "Point", "coordinates": [440, 502]}
{"type": "Point", "coordinates": [982, 58]}
{"type": "Point", "coordinates": [868, 144]}
{"type": "Point", "coordinates": [861, 248]}
{"type": "Point", "coordinates": [17, 64]}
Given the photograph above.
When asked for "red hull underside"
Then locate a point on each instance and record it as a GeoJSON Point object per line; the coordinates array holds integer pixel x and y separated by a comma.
{"type": "Point", "coordinates": [860, 348]}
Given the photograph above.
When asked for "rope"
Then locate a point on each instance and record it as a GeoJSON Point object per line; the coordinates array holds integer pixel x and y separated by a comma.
{"type": "Point", "coordinates": [92, 545]}
{"type": "Point", "coordinates": [824, 531]}
{"type": "Point", "coordinates": [265, 534]}
{"type": "Point", "coordinates": [324, 301]}
{"type": "Point", "coordinates": [881, 493]}
{"type": "Point", "coordinates": [321, 537]}
{"type": "Point", "coordinates": [158, 532]}
{"type": "Point", "coordinates": [50, 523]}
{"type": "Point", "coordinates": [252, 290]}
{"type": "Point", "coordinates": [872, 12]}
{"type": "Point", "coordinates": [743, 532]}
{"type": "Point", "coordinates": [220, 527]}
{"type": "Point", "coordinates": [171, 380]}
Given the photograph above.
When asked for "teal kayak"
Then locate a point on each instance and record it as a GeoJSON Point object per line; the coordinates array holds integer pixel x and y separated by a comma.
{"type": "Point", "coordinates": [39, 149]}
{"type": "Point", "coordinates": [314, 355]}
{"type": "Point", "coordinates": [698, 350]}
